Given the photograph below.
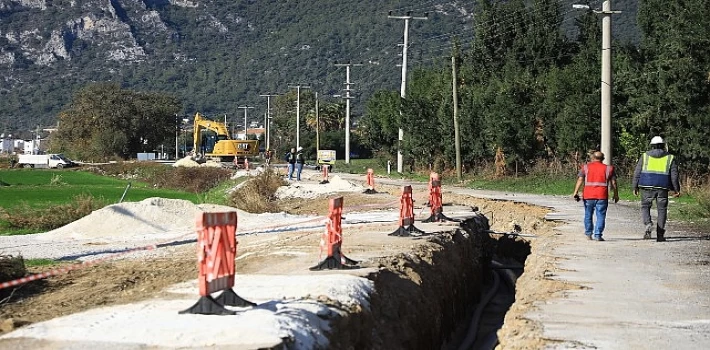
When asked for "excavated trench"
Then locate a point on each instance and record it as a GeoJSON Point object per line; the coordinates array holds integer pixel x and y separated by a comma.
{"type": "Point", "coordinates": [428, 298]}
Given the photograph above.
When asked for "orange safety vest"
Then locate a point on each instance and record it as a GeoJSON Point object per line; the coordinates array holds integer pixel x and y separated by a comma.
{"type": "Point", "coordinates": [596, 180]}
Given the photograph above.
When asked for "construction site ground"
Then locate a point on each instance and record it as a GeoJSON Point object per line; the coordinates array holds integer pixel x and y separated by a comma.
{"type": "Point", "coordinates": [625, 293]}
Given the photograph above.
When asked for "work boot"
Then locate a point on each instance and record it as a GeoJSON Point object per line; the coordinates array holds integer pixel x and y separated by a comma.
{"type": "Point", "coordinates": [647, 233]}
{"type": "Point", "coordinates": [660, 235]}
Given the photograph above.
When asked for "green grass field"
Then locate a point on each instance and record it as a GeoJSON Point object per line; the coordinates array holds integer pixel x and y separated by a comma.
{"type": "Point", "coordinates": [42, 188]}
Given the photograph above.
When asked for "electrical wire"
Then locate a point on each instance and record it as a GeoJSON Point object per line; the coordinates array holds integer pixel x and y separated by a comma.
{"type": "Point", "coordinates": [501, 21]}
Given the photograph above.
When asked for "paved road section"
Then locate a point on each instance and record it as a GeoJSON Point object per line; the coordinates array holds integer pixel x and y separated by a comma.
{"type": "Point", "coordinates": [639, 294]}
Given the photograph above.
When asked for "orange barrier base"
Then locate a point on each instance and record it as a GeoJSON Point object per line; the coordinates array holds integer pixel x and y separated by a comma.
{"type": "Point", "coordinates": [409, 231]}
{"type": "Point", "coordinates": [439, 217]}
{"type": "Point", "coordinates": [230, 298]}
{"type": "Point", "coordinates": [206, 305]}
{"type": "Point", "coordinates": [336, 261]}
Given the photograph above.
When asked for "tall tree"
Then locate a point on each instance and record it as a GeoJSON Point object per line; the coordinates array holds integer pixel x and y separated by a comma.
{"type": "Point", "coordinates": [105, 121]}
{"type": "Point", "coordinates": [673, 98]}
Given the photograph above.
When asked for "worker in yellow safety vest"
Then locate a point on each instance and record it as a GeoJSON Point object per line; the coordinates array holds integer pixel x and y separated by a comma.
{"type": "Point", "coordinates": [656, 174]}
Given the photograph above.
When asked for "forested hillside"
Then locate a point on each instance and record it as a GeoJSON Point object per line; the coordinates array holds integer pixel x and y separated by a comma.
{"type": "Point", "coordinates": [216, 55]}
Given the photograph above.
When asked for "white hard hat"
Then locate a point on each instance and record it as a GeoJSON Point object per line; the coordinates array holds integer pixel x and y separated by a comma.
{"type": "Point", "coordinates": [657, 140]}
{"type": "Point", "coordinates": [299, 149]}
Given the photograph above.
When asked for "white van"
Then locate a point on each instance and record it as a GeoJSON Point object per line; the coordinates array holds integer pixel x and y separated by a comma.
{"type": "Point", "coordinates": [44, 161]}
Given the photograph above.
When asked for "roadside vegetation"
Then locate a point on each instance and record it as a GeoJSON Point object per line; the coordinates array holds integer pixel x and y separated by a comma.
{"type": "Point", "coordinates": [40, 200]}
{"type": "Point", "coordinates": [258, 193]}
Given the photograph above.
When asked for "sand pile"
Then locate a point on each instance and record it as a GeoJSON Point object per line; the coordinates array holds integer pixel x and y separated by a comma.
{"type": "Point", "coordinates": [191, 163]}
{"type": "Point", "coordinates": [135, 220]}
{"type": "Point", "coordinates": [242, 173]}
{"type": "Point", "coordinates": [310, 190]}
{"type": "Point", "coordinates": [159, 218]}
{"type": "Point", "coordinates": [186, 162]}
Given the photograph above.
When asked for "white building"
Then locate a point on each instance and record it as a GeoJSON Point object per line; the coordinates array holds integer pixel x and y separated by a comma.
{"type": "Point", "coordinates": [31, 146]}
{"type": "Point", "coordinates": [6, 144]}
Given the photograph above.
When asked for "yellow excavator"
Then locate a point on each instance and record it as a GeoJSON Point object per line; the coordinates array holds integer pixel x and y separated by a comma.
{"type": "Point", "coordinates": [225, 148]}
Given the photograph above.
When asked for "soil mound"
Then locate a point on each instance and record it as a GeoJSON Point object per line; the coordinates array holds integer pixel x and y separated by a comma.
{"type": "Point", "coordinates": [131, 219]}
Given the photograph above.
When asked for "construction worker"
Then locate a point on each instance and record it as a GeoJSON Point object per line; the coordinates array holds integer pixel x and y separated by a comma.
{"type": "Point", "coordinates": [299, 163]}
{"type": "Point", "coordinates": [656, 174]}
{"type": "Point", "coordinates": [291, 160]}
{"type": "Point", "coordinates": [596, 177]}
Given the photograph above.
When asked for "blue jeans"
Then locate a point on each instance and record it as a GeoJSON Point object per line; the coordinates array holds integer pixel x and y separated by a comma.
{"type": "Point", "coordinates": [290, 170]}
{"type": "Point", "coordinates": [590, 206]}
{"type": "Point", "coordinates": [299, 168]}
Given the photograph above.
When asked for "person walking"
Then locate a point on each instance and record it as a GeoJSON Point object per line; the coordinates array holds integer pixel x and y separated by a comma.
{"type": "Point", "coordinates": [267, 157]}
{"type": "Point", "coordinates": [291, 160]}
{"type": "Point", "coordinates": [596, 177]}
{"type": "Point", "coordinates": [299, 163]}
{"type": "Point", "coordinates": [656, 174]}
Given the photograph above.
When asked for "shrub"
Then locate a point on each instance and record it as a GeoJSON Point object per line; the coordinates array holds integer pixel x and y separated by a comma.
{"type": "Point", "coordinates": [702, 195]}
{"type": "Point", "coordinates": [11, 268]}
{"type": "Point", "coordinates": [258, 194]}
{"type": "Point", "coordinates": [130, 170]}
{"type": "Point", "coordinates": [8, 161]}
{"type": "Point", "coordinates": [26, 217]}
{"type": "Point", "coordinates": [195, 180]}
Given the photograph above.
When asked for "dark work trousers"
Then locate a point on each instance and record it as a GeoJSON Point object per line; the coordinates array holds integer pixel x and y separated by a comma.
{"type": "Point", "coordinates": [661, 197]}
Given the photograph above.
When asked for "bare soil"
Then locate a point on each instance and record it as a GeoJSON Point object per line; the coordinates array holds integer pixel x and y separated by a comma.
{"type": "Point", "coordinates": [404, 266]}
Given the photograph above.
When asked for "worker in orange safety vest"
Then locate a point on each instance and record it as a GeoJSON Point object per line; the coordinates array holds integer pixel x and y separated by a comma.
{"type": "Point", "coordinates": [596, 177]}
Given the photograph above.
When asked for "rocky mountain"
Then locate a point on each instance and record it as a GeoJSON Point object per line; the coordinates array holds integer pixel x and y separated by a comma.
{"type": "Point", "coordinates": [214, 55]}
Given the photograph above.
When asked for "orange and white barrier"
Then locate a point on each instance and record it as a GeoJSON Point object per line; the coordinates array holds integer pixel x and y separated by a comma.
{"type": "Point", "coordinates": [370, 182]}
{"type": "Point", "coordinates": [216, 250]}
{"type": "Point", "coordinates": [435, 200]}
{"type": "Point", "coordinates": [332, 240]}
{"type": "Point", "coordinates": [406, 215]}
{"type": "Point", "coordinates": [324, 169]}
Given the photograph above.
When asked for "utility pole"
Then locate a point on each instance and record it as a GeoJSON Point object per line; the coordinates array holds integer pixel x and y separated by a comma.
{"type": "Point", "coordinates": [457, 137]}
{"type": "Point", "coordinates": [298, 111]}
{"type": "Point", "coordinates": [245, 119]}
{"type": "Point", "coordinates": [317, 129]}
{"type": "Point", "coordinates": [406, 18]}
{"type": "Point", "coordinates": [177, 125]}
{"type": "Point", "coordinates": [268, 117]}
{"type": "Point", "coordinates": [347, 106]}
{"type": "Point", "coordinates": [607, 80]}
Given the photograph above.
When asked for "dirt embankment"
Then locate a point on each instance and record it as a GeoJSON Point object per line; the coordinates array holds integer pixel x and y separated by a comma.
{"type": "Point", "coordinates": [423, 287]}
{"type": "Point", "coordinates": [420, 295]}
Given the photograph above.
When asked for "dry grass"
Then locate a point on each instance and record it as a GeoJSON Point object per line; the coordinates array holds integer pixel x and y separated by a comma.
{"type": "Point", "coordinates": [26, 217]}
{"type": "Point", "coordinates": [702, 195]}
{"type": "Point", "coordinates": [195, 180]}
{"type": "Point", "coordinates": [7, 161]}
{"type": "Point", "coordinates": [258, 194]}
{"type": "Point", "coordinates": [11, 267]}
